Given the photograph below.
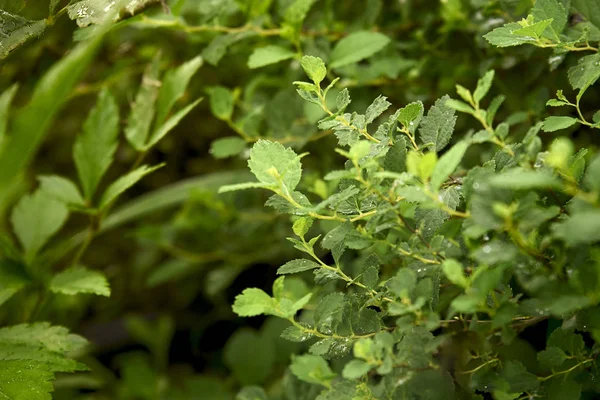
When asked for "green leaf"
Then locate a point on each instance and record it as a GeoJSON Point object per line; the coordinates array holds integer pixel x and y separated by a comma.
{"type": "Point", "coordinates": [554, 10]}
{"type": "Point", "coordinates": [221, 102]}
{"type": "Point", "coordinates": [356, 47]}
{"type": "Point", "coordinates": [297, 11]}
{"type": "Point", "coordinates": [302, 225]}
{"type": "Point", "coordinates": [247, 393]}
{"type": "Point", "coordinates": [268, 55]}
{"type": "Point", "coordinates": [252, 302]}
{"type": "Point", "coordinates": [214, 52]}
{"type": "Point", "coordinates": [98, 12]}
{"type": "Point", "coordinates": [552, 357]}
{"type": "Point", "coordinates": [124, 183]}
{"type": "Point", "coordinates": [80, 280]}
{"type": "Point", "coordinates": [421, 166]}
{"type": "Point", "coordinates": [410, 116]}
{"type": "Point", "coordinates": [312, 369]}
{"type": "Point", "coordinates": [61, 189]}
{"type": "Point", "coordinates": [16, 30]}
{"type": "Point", "coordinates": [483, 86]}
{"type": "Point", "coordinates": [580, 228]}
{"type": "Point", "coordinates": [522, 179]}
{"type": "Point", "coordinates": [355, 369]}
{"type": "Point", "coordinates": [586, 72]}
{"type": "Point", "coordinates": [592, 175]}
{"type": "Point", "coordinates": [95, 148]}
{"type": "Point", "coordinates": [143, 109]}
{"type": "Point", "coordinates": [379, 105]}
{"type": "Point", "coordinates": [173, 87]}
{"type": "Point", "coordinates": [227, 147]}
{"type": "Point", "coordinates": [518, 377]}
{"type": "Point", "coordinates": [552, 124]}
{"type": "Point", "coordinates": [314, 68]}
{"type": "Point", "coordinates": [5, 100]}
{"type": "Point", "coordinates": [30, 355]}
{"type": "Point", "coordinates": [533, 30]}
{"type": "Point", "coordinates": [454, 272]}
{"type": "Point", "coordinates": [437, 127]}
{"type": "Point", "coordinates": [564, 389]}
{"type": "Point", "coordinates": [294, 266]}
{"type": "Point", "coordinates": [169, 124]}
{"type": "Point", "coordinates": [447, 164]}
{"type": "Point", "coordinates": [35, 219]}
{"type": "Point", "coordinates": [243, 186]}
{"type": "Point", "coordinates": [504, 37]}
{"type": "Point", "coordinates": [590, 9]}
{"type": "Point", "coordinates": [460, 106]}
{"type": "Point", "coordinates": [32, 122]}
{"type": "Point", "coordinates": [250, 356]}
{"type": "Point", "coordinates": [270, 162]}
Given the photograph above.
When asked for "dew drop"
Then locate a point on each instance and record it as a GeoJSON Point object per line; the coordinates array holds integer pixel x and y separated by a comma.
{"type": "Point", "coordinates": [487, 249]}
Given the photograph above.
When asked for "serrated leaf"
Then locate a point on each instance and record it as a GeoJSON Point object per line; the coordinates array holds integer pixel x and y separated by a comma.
{"type": "Point", "coordinates": [533, 30]}
{"type": "Point", "coordinates": [61, 189]}
{"type": "Point", "coordinates": [410, 116]}
{"type": "Point", "coordinates": [173, 87]}
{"type": "Point", "coordinates": [123, 183]}
{"type": "Point", "coordinates": [80, 280]}
{"type": "Point", "coordinates": [356, 47]}
{"type": "Point", "coordinates": [295, 266]}
{"type": "Point", "coordinates": [504, 37]}
{"type": "Point", "coordinates": [518, 377]}
{"type": "Point", "coordinates": [268, 55]}
{"type": "Point", "coordinates": [552, 124]}
{"type": "Point", "coordinates": [483, 86]}
{"type": "Point", "coordinates": [268, 158]}
{"type": "Point", "coordinates": [95, 148]}
{"type": "Point", "coordinates": [35, 219]}
{"type": "Point", "coordinates": [447, 164]}
{"type": "Point", "coordinates": [590, 9]}
{"type": "Point", "coordinates": [16, 30]}
{"type": "Point", "coordinates": [295, 334]}
{"type": "Point", "coordinates": [343, 99]}
{"type": "Point", "coordinates": [312, 369]}
{"type": "Point", "coordinates": [227, 147]}
{"type": "Point", "coordinates": [169, 124]}
{"type": "Point", "coordinates": [302, 225]}
{"type": "Point", "coordinates": [554, 10]}
{"type": "Point", "coordinates": [437, 127]}
{"type": "Point", "coordinates": [580, 228]}
{"type": "Point", "coordinates": [454, 272]}
{"type": "Point", "coordinates": [314, 68]}
{"type": "Point", "coordinates": [252, 302]}
{"type": "Point", "coordinates": [143, 109]}
{"type": "Point", "coordinates": [586, 72]}
{"type": "Point", "coordinates": [552, 357]}
{"type": "Point", "coordinates": [297, 11]}
{"type": "Point", "coordinates": [379, 105]}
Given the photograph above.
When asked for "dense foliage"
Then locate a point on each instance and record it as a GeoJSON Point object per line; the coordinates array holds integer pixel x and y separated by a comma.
{"type": "Point", "coordinates": [420, 219]}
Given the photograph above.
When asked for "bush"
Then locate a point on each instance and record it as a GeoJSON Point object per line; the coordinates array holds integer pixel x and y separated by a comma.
{"type": "Point", "coordinates": [442, 248]}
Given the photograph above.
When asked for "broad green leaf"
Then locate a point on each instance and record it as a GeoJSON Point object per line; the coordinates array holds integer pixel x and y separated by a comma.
{"type": "Point", "coordinates": [454, 272]}
{"type": "Point", "coordinates": [221, 102]}
{"type": "Point", "coordinates": [95, 148]}
{"type": "Point", "coordinates": [356, 47]}
{"type": "Point", "coordinates": [533, 30]}
{"type": "Point", "coordinates": [421, 166]}
{"type": "Point", "coordinates": [250, 356]}
{"type": "Point", "coordinates": [30, 355]}
{"type": "Point", "coordinates": [252, 302]}
{"type": "Point", "coordinates": [504, 37]}
{"type": "Point", "coordinates": [270, 162]}
{"type": "Point", "coordinates": [447, 164]}
{"type": "Point", "coordinates": [554, 10]}
{"type": "Point", "coordinates": [312, 369]}
{"type": "Point", "coordinates": [297, 11]}
{"type": "Point", "coordinates": [316, 71]}
{"type": "Point", "coordinates": [35, 219]}
{"type": "Point", "coordinates": [552, 357]}
{"type": "Point", "coordinates": [173, 87]}
{"type": "Point", "coordinates": [580, 228]}
{"type": "Point", "coordinates": [5, 100]}
{"type": "Point", "coordinates": [586, 72]}
{"type": "Point", "coordinates": [169, 124]}
{"type": "Point", "coordinates": [460, 106]}
{"type": "Point", "coordinates": [16, 30]}
{"type": "Point", "coordinates": [80, 280]}
{"type": "Point", "coordinates": [522, 179]}
{"type": "Point", "coordinates": [142, 112]}
{"type": "Point", "coordinates": [268, 55]}
{"type": "Point", "coordinates": [483, 86]}
{"type": "Point", "coordinates": [355, 369]}
{"type": "Point", "coordinates": [124, 183]}
{"type": "Point", "coordinates": [61, 189]}
{"type": "Point", "coordinates": [379, 105]}
{"type": "Point", "coordinates": [438, 125]}
{"type": "Point", "coordinates": [31, 123]}
{"type": "Point", "coordinates": [98, 12]}
{"type": "Point", "coordinates": [590, 9]}
{"type": "Point", "coordinates": [518, 377]}
{"type": "Point", "coordinates": [552, 124]}
{"type": "Point", "coordinates": [294, 266]}
{"type": "Point", "coordinates": [410, 116]}
{"type": "Point", "coordinates": [227, 147]}
{"type": "Point", "coordinates": [302, 225]}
